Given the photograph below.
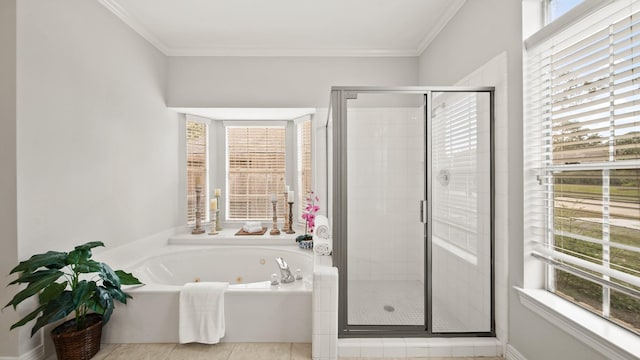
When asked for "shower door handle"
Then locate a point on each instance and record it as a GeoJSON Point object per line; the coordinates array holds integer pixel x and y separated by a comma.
{"type": "Point", "coordinates": [423, 211]}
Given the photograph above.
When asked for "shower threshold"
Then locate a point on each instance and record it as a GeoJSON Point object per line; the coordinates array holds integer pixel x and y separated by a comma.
{"type": "Point", "coordinates": [419, 347]}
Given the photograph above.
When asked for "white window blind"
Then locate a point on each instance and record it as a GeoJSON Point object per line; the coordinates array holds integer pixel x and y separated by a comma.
{"type": "Point", "coordinates": [304, 166]}
{"type": "Point", "coordinates": [582, 155]}
{"type": "Point", "coordinates": [196, 166]}
{"type": "Point", "coordinates": [255, 170]}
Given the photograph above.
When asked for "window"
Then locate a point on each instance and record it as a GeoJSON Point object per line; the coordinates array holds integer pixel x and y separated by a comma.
{"type": "Point", "coordinates": [557, 8]}
{"type": "Point", "coordinates": [304, 165]}
{"type": "Point", "coordinates": [196, 166]}
{"type": "Point", "coordinates": [582, 156]}
{"type": "Point", "coordinates": [255, 169]}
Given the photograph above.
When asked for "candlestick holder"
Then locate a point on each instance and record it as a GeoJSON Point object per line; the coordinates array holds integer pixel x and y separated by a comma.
{"type": "Point", "coordinates": [218, 223]}
{"type": "Point", "coordinates": [290, 227]}
{"type": "Point", "coordinates": [214, 220]}
{"type": "Point", "coordinates": [274, 230]}
{"type": "Point", "coordinates": [198, 228]}
{"type": "Point", "coordinates": [286, 225]}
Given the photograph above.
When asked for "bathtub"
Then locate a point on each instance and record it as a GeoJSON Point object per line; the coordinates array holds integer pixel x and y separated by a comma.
{"type": "Point", "coordinates": [255, 311]}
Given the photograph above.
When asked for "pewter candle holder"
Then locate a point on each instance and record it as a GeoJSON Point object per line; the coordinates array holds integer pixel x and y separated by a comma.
{"type": "Point", "coordinates": [198, 228]}
{"type": "Point", "coordinates": [290, 227]}
{"type": "Point", "coordinates": [274, 230]}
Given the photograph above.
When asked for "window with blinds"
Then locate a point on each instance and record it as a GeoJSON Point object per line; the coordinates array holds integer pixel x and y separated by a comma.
{"type": "Point", "coordinates": [582, 154]}
{"type": "Point", "coordinates": [304, 166]}
{"type": "Point", "coordinates": [196, 166]}
{"type": "Point", "coordinates": [255, 170]}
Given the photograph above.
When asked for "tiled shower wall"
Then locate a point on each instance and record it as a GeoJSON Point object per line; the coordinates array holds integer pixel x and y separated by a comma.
{"type": "Point", "coordinates": [385, 154]}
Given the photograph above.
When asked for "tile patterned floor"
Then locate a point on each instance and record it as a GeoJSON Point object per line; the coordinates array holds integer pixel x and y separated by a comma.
{"type": "Point", "coordinates": [369, 301]}
{"type": "Point", "coordinates": [224, 351]}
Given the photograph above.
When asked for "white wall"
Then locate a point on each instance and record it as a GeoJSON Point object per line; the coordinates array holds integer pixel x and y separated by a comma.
{"type": "Point", "coordinates": [8, 200]}
{"type": "Point", "coordinates": [97, 147]}
{"type": "Point", "coordinates": [278, 81]}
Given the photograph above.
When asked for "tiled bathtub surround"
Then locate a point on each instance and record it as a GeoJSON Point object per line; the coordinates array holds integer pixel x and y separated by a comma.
{"type": "Point", "coordinates": [324, 306]}
{"type": "Point", "coordinates": [418, 347]}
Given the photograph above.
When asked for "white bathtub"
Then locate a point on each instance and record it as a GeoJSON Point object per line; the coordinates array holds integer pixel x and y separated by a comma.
{"type": "Point", "coordinates": [255, 311]}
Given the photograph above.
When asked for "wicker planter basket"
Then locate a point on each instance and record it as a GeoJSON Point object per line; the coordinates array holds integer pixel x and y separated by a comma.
{"type": "Point", "coordinates": [81, 344]}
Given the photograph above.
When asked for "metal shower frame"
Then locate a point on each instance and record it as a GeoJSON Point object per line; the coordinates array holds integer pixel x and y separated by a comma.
{"type": "Point", "coordinates": [338, 110]}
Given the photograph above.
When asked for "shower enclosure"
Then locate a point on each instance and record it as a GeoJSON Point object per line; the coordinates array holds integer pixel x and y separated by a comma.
{"type": "Point", "coordinates": [412, 210]}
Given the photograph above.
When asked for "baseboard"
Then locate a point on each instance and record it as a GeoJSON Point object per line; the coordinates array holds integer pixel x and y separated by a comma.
{"type": "Point", "coordinates": [513, 354]}
{"type": "Point", "coordinates": [33, 354]}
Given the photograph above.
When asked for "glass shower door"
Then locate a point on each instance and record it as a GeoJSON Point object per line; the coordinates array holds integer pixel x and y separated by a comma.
{"type": "Point", "coordinates": [413, 211]}
{"type": "Point", "coordinates": [460, 216]}
{"type": "Point", "coordinates": [385, 183]}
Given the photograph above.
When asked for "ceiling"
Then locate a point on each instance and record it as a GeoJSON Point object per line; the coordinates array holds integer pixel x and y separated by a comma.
{"type": "Point", "coordinates": [287, 27]}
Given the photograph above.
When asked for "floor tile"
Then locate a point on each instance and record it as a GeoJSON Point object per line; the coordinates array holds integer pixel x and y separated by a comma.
{"type": "Point", "coordinates": [301, 351]}
{"type": "Point", "coordinates": [261, 351]}
{"type": "Point", "coordinates": [105, 350]}
{"type": "Point", "coordinates": [197, 351]}
{"type": "Point", "coordinates": [141, 352]}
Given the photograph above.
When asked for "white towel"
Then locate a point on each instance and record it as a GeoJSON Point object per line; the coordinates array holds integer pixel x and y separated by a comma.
{"type": "Point", "coordinates": [252, 226]}
{"type": "Point", "coordinates": [202, 312]}
{"type": "Point", "coordinates": [322, 229]}
{"type": "Point", "coordinates": [322, 248]}
{"type": "Point", "coordinates": [322, 242]}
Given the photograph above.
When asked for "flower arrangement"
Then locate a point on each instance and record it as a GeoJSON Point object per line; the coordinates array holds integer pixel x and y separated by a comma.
{"type": "Point", "coordinates": [309, 216]}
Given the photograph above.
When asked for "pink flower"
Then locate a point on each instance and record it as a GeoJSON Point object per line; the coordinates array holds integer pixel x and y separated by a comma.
{"type": "Point", "coordinates": [310, 210]}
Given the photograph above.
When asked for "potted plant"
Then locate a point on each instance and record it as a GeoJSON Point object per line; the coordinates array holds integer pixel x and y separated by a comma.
{"type": "Point", "coordinates": [305, 241]}
{"type": "Point", "coordinates": [71, 282]}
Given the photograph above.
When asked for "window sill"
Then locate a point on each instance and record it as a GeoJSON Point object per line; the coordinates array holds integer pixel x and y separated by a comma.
{"type": "Point", "coordinates": [607, 338]}
{"type": "Point", "coordinates": [227, 236]}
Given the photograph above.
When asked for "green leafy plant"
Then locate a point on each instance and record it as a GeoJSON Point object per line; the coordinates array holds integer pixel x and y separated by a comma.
{"type": "Point", "coordinates": [69, 282]}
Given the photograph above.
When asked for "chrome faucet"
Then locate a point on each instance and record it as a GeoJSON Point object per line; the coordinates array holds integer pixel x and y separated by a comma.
{"type": "Point", "coordinates": [285, 271]}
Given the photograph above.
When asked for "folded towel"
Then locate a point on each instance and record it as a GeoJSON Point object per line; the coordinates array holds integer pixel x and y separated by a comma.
{"type": "Point", "coordinates": [322, 242]}
{"type": "Point", "coordinates": [322, 229]}
{"type": "Point", "coordinates": [322, 248]}
{"type": "Point", "coordinates": [202, 312]}
{"type": "Point", "coordinates": [252, 226]}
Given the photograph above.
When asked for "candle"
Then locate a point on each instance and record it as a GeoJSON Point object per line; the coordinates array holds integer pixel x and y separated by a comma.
{"type": "Point", "coordinates": [286, 188]}
{"type": "Point", "coordinates": [273, 197]}
{"type": "Point", "coordinates": [198, 180]}
{"type": "Point", "coordinates": [216, 192]}
{"type": "Point", "coordinates": [214, 204]}
{"type": "Point", "coordinates": [290, 196]}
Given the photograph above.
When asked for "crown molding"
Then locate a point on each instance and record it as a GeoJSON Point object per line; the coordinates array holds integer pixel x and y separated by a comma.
{"type": "Point", "coordinates": [133, 23]}
{"type": "Point", "coordinates": [292, 52]}
{"type": "Point", "coordinates": [451, 11]}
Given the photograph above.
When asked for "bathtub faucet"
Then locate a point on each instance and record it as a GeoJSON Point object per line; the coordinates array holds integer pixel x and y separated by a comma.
{"type": "Point", "coordinates": [284, 271]}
